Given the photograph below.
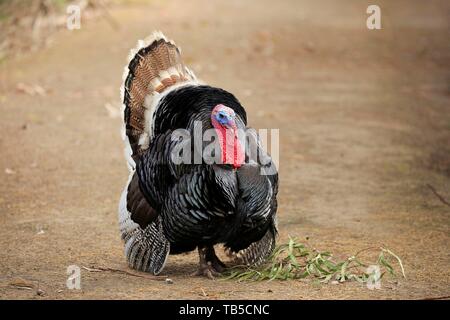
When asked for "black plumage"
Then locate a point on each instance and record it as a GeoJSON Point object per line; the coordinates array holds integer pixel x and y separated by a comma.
{"type": "Point", "coordinates": [197, 205]}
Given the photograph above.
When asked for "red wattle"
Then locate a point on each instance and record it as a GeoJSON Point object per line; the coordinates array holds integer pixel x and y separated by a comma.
{"type": "Point", "coordinates": [231, 149]}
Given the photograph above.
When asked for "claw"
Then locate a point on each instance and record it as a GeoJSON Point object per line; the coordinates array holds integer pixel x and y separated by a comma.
{"type": "Point", "coordinates": [210, 265]}
{"type": "Point", "coordinates": [207, 270]}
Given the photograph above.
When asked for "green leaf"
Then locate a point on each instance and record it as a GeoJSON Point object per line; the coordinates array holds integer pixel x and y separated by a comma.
{"type": "Point", "coordinates": [294, 260]}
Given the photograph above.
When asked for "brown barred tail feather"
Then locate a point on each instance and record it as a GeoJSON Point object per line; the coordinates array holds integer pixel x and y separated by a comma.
{"type": "Point", "coordinates": [155, 66]}
{"type": "Point", "coordinates": [258, 252]}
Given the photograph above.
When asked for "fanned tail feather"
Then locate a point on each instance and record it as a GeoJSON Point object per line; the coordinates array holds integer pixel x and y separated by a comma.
{"type": "Point", "coordinates": [155, 66]}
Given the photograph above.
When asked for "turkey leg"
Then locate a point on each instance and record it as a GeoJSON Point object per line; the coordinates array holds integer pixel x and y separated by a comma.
{"type": "Point", "coordinates": [210, 265]}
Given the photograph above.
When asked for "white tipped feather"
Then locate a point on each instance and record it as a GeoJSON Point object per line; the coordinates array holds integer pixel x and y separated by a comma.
{"type": "Point", "coordinates": [164, 75]}
{"type": "Point", "coordinates": [172, 71]}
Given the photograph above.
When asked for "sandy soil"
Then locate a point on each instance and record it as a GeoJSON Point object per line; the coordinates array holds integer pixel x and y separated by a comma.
{"type": "Point", "coordinates": [364, 120]}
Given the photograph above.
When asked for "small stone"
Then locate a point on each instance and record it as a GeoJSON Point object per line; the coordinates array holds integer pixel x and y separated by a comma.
{"type": "Point", "coordinates": [169, 281]}
{"type": "Point", "coordinates": [9, 171]}
{"type": "Point", "coordinates": [40, 292]}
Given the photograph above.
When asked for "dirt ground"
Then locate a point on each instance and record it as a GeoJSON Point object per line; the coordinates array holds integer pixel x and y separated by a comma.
{"type": "Point", "coordinates": [364, 118]}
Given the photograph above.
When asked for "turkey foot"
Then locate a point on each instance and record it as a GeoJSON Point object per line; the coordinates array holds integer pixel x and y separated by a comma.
{"type": "Point", "coordinates": [210, 265]}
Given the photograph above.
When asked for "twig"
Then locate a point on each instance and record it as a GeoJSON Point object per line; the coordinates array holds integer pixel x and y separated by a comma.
{"type": "Point", "coordinates": [398, 259]}
{"type": "Point", "coordinates": [438, 195]}
{"type": "Point", "coordinates": [146, 276]}
{"type": "Point", "coordinates": [22, 284]}
{"type": "Point", "coordinates": [20, 287]}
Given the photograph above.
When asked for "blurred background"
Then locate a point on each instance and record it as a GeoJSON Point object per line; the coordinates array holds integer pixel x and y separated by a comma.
{"type": "Point", "coordinates": [364, 119]}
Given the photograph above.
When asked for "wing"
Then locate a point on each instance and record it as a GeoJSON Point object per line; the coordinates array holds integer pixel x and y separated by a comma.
{"type": "Point", "coordinates": [188, 210]}
{"type": "Point", "coordinates": [180, 191]}
{"type": "Point", "coordinates": [156, 171]}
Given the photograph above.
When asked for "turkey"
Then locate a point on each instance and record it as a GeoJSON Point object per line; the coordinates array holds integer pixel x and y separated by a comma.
{"type": "Point", "coordinates": [170, 207]}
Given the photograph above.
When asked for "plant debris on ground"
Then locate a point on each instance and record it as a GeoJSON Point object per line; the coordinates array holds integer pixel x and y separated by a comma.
{"type": "Point", "coordinates": [294, 260]}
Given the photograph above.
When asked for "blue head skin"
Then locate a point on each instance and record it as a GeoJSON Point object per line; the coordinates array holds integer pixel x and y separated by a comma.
{"type": "Point", "coordinates": [223, 120]}
{"type": "Point", "coordinates": [224, 117]}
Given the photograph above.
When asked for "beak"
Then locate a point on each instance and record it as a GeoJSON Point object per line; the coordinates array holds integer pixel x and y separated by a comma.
{"type": "Point", "coordinates": [231, 123]}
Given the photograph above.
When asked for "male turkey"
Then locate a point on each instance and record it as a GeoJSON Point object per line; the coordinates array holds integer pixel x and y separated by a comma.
{"type": "Point", "coordinates": [174, 208]}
